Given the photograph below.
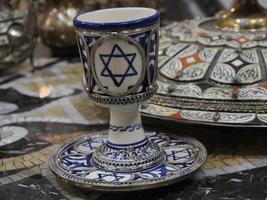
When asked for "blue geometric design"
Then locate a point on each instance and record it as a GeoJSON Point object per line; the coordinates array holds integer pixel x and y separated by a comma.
{"type": "Point", "coordinates": [176, 155]}
{"type": "Point", "coordinates": [117, 52]}
{"type": "Point", "coordinates": [92, 143]}
{"type": "Point", "coordinates": [79, 163]}
{"type": "Point", "coordinates": [127, 128]}
{"type": "Point", "coordinates": [116, 176]}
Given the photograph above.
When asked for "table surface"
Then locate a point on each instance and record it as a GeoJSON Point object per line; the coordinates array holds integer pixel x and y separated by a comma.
{"type": "Point", "coordinates": [52, 107]}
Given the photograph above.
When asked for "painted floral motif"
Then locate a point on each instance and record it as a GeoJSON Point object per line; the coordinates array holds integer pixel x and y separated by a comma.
{"type": "Point", "coordinates": [190, 63]}
{"type": "Point", "coordinates": [204, 69]}
{"type": "Point", "coordinates": [223, 117]}
{"type": "Point", "coordinates": [203, 116]}
{"type": "Point", "coordinates": [231, 64]}
{"type": "Point", "coordinates": [187, 90]}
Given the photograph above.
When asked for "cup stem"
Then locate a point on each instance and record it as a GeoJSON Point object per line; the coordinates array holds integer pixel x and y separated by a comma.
{"type": "Point", "coordinates": [125, 125]}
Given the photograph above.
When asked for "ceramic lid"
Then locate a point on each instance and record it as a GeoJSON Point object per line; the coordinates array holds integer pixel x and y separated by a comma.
{"type": "Point", "coordinates": [211, 75]}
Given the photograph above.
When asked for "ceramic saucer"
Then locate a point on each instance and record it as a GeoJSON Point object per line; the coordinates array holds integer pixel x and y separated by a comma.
{"type": "Point", "coordinates": [73, 163]}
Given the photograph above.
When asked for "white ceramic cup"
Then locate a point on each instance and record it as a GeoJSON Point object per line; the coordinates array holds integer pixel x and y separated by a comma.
{"type": "Point", "coordinates": [118, 49]}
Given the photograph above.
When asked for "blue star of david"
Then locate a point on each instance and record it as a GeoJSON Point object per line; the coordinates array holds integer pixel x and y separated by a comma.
{"type": "Point", "coordinates": [117, 52]}
{"type": "Point", "coordinates": [174, 154]}
{"type": "Point", "coordinates": [114, 175]}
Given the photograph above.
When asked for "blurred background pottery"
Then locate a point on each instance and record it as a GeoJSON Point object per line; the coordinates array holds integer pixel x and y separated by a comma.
{"type": "Point", "coordinates": [56, 28]}
{"type": "Point", "coordinates": [18, 31]}
{"type": "Point", "coordinates": [213, 70]}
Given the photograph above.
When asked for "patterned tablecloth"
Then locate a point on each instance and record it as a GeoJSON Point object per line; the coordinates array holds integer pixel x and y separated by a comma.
{"type": "Point", "coordinates": [49, 106]}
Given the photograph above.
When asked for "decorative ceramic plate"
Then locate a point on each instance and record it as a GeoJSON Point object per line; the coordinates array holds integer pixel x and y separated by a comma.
{"type": "Point", "coordinates": [73, 163]}
{"type": "Point", "coordinates": [211, 75]}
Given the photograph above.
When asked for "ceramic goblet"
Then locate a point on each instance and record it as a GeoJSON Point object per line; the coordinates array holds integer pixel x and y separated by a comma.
{"type": "Point", "coordinates": [118, 49]}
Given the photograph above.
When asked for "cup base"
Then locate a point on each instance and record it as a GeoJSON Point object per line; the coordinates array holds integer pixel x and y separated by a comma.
{"type": "Point", "coordinates": [73, 163]}
{"type": "Point", "coordinates": [128, 158]}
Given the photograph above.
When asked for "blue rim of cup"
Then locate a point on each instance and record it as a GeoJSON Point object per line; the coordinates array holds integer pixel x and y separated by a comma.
{"type": "Point", "coordinates": [131, 24]}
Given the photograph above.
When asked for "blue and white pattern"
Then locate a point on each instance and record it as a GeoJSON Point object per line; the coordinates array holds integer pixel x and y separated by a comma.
{"type": "Point", "coordinates": [99, 175]}
{"type": "Point", "coordinates": [147, 40]}
{"type": "Point", "coordinates": [140, 145]}
{"type": "Point", "coordinates": [182, 156]}
{"type": "Point", "coordinates": [84, 44]}
{"type": "Point", "coordinates": [151, 54]}
{"type": "Point", "coordinates": [126, 129]}
{"type": "Point", "coordinates": [129, 69]}
{"type": "Point", "coordinates": [159, 172]}
{"type": "Point", "coordinates": [120, 67]}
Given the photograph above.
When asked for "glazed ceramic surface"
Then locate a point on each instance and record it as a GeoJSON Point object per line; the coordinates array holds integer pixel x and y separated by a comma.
{"type": "Point", "coordinates": [131, 45]}
{"type": "Point", "coordinates": [119, 51]}
{"type": "Point", "coordinates": [74, 163]}
{"type": "Point", "coordinates": [119, 54]}
{"type": "Point", "coordinates": [235, 162]}
{"type": "Point", "coordinates": [211, 75]}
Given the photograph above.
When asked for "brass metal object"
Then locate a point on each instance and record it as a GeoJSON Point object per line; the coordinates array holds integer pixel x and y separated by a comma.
{"type": "Point", "coordinates": [56, 28]}
{"type": "Point", "coordinates": [246, 14]}
{"type": "Point", "coordinates": [17, 31]}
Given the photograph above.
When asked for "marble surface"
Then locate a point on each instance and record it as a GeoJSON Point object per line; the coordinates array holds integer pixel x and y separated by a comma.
{"type": "Point", "coordinates": [51, 105]}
